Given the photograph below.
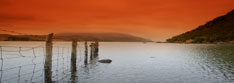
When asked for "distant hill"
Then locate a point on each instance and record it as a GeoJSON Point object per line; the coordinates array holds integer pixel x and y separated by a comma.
{"type": "Point", "coordinates": [8, 37]}
{"type": "Point", "coordinates": [221, 29]}
{"type": "Point", "coordinates": [100, 37]}
{"type": "Point", "coordinates": [76, 36]}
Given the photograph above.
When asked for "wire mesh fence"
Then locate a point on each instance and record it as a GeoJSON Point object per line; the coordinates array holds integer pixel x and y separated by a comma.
{"type": "Point", "coordinates": [38, 62]}
{"type": "Point", "coordinates": [25, 64]}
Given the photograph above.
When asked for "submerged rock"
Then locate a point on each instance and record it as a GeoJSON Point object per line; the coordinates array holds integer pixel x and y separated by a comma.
{"type": "Point", "coordinates": [105, 61]}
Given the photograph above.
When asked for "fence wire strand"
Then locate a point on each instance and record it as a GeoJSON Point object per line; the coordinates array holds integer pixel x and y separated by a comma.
{"type": "Point", "coordinates": [30, 71]}
{"type": "Point", "coordinates": [13, 68]}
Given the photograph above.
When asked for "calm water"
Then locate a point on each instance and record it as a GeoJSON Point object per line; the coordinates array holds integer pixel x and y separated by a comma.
{"type": "Point", "coordinates": [134, 63]}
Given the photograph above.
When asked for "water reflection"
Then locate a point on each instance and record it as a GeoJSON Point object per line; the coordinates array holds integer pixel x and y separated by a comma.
{"type": "Point", "coordinates": [217, 60]}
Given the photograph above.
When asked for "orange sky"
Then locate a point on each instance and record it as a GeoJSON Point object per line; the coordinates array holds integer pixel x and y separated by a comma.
{"type": "Point", "coordinates": [152, 19]}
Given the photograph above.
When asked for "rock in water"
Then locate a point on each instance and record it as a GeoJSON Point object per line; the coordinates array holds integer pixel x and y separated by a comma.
{"type": "Point", "coordinates": [105, 61]}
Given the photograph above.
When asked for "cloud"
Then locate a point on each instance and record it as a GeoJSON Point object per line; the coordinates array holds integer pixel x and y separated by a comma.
{"type": "Point", "coordinates": [152, 18]}
{"type": "Point", "coordinates": [6, 25]}
{"type": "Point", "coordinates": [11, 18]}
{"type": "Point", "coordinates": [4, 3]}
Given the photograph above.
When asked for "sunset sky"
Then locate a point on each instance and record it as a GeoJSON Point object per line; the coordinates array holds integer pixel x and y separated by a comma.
{"type": "Point", "coordinates": [152, 19]}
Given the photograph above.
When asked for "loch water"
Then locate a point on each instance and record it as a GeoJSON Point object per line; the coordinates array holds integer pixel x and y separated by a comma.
{"type": "Point", "coordinates": [132, 62]}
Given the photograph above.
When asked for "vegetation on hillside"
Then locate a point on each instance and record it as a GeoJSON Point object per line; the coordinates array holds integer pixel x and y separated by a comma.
{"type": "Point", "coordinates": [221, 29]}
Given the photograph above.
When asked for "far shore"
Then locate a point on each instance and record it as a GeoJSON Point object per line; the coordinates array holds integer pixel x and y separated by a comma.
{"type": "Point", "coordinates": [230, 43]}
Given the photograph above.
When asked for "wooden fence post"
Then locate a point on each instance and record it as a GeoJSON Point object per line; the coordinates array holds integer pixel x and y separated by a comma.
{"type": "Point", "coordinates": [73, 55]}
{"type": "Point", "coordinates": [48, 59]}
{"type": "Point", "coordinates": [91, 51]}
{"type": "Point", "coordinates": [73, 61]}
{"type": "Point", "coordinates": [86, 53]}
{"type": "Point", "coordinates": [96, 48]}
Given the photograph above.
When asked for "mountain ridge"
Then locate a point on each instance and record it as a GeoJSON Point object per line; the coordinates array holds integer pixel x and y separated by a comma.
{"type": "Point", "coordinates": [100, 36]}
{"type": "Point", "coordinates": [220, 29]}
{"type": "Point", "coordinates": [68, 36]}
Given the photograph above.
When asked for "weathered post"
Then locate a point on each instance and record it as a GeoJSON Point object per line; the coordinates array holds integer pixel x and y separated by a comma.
{"type": "Point", "coordinates": [73, 55]}
{"type": "Point", "coordinates": [91, 51]}
{"type": "Point", "coordinates": [73, 61]}
{"type": "Point", "coordinates": [48, 58]}
{"type": "Point", "coordinates": [86, 53]}
{"type": "Point", "coordinates": [96, 46]}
